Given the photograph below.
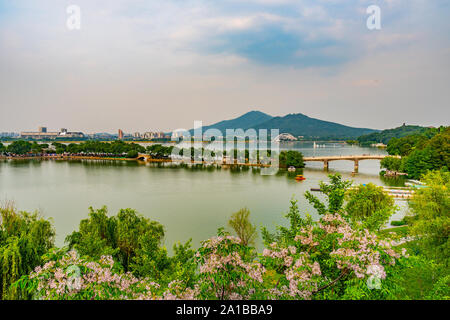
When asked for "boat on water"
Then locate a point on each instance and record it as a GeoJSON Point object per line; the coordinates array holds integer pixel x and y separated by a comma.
{"type": "Point", "coordinates": [300, 177]}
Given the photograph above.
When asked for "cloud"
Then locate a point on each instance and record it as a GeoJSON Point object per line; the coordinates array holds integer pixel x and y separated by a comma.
{"type": "Point", "coordinates": [162, 63]}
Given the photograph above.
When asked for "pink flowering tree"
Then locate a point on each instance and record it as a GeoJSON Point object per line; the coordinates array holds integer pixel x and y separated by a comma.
{"type": "Point", "coordinates": [323, 256]}
{"type": "Point", "coordinates": [227, 269]}
{"type": "Point", "coordinates": [331, 258]}
{"type": "Point", "coordinates": [66, 276]}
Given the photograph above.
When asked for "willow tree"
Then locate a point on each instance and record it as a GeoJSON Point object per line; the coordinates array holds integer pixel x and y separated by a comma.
{"type": "Point", "coordinates": [245, 230]}
{"type": "Point", "coordinates": [24, 239]}
{"type": "Point", "coordinates": [130, 238]}
{"type": "Point", "coordinates": [430, 216]}
{"type": "Point", "coordinates": [370, 206]}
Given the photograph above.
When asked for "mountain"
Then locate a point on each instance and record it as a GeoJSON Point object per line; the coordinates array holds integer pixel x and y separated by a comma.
{"type": "Point", "coordinates": [299, 124]}
{"type": "Point", "coordinates": [386, 135]}
{"type": "Point", "coordinates": [296, 124]}
{"type": "Point", "coordinates": [247, 120]}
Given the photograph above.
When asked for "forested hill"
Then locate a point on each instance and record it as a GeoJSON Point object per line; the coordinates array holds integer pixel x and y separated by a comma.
{"type": "Point", "coordinates": [386, 135]}
{"type": "Point", "coordinates": [299, 124]}
{"type": "Point", "coordinates": [295, 124]}
{"type": "Point", "coordinates": [247, 120]}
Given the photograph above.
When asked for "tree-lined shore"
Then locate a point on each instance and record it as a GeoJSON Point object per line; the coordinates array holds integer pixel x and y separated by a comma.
{"type": "Point", "coordinates": [119, 150]}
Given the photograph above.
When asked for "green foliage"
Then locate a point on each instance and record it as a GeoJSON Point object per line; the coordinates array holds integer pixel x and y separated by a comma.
{"type": "Point", "coordinates": [2, 148]}
{"type": "Point", "coordinates": [334, 192]}
{"type": "Point", "coordinates": [391, 163]}
{"type": "Point", "coordinates": [301, 125]}
{"type": "Point", "coordinates": [115, 148]}
{"type": "Point", "coordinates": [133, 240]}
{"type": "Point", "coordinates": [245, 230]}
{"type": "Point", "coordinates": [385, 136]}
{"type": "Point", "coordinates": [397, 223]}
{"type": "Point", "coordinates": [24, 238]}
{"type": "Point", "coordinates": [369, 206]}
{"type": "Point", "coordinates": [419, 162]}
{"type": "Point", "coordinates": [132, 154]}
{"type": "Point", "coordinates": [441, 289]}
{"type": "Point", "coordinates": [19, 147]}
{"type": "Point", "coordinates": [421, 278]}
{"type": "Point", "coordinates": [283, 234]}
{"type": "Point", "coordinates": [421, 153]}
{"type": "Point", "coordinates": [431, 216]}
{"type": "Point", "coordinates": [291, 158]}
{"type": "Point", "coordinates": [159, 151]}
{"type": "Point", "coordinates": [404, 146]}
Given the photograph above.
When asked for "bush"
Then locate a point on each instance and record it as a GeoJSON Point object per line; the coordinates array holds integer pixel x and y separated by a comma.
{"type": "Point", "coordinates": [24, 238]}
{"type": "Point", "coordinates": [397, 223]}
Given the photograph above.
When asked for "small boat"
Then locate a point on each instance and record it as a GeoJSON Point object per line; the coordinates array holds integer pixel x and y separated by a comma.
{"type": "Point", "coordinates": [300, 177]}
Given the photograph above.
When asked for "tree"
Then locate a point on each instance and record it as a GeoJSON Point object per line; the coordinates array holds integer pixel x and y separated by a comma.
{"type": "Point", "coordinates": [291, 158]}
{"type": "Point", "coordinates": [334, 192]}
{"type": "Point", "coordinates": [326, 259]}
{"type": "Point", "coordinates": [419, 162]}
{"type": "Point", "coordinates": [245, 230]}
{"type": "Point", "coordinates": [429, 150]}
{"type": "Point", "coordinates": [133, 240]}
{"type": "Point", "coordinates": [37, 148]}
{"type": "Point", "coordinates": [19, 147]}
{"type": "Point", "coordinates": [59, 147]}
{"type": "Point", "coordinates": [132, 154]}
{"type": "Point", "coordinates": [369, 206]}
{"type": "Point", "coordinates": [391, 163]}
{"type": "Point", "coordinates": [2, 148]}
{"type": "Point", "coordinates": [24, 238]}
{"type": "Point", "coordinates": [430, 216]}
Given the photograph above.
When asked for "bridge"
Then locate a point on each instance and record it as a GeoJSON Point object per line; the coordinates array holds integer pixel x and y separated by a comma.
{"type": "Point", "coordinates": [354, 158]}
{"type": "Point", "coordinates": [143, 157]}
{"type": "Point", "coordinates": [324, 159]}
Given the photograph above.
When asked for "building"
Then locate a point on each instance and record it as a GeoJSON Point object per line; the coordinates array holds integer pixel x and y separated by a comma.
{"type": "Point", "coordinates": [8, 135]}
{"type": "Point", "coordinates": [378, 145]}
{"type": "Point", "coordinates": [42, 133]}
{"type": "Point", "coordinates": [159, 135]}
{"type": "Point", "coordinates": [285, 137]}
{"type": "Point", "coordinates": [120, 135]}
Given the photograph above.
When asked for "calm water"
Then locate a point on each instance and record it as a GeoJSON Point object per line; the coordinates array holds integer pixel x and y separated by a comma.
{"type": "Point", "coordinates": [189, 202]}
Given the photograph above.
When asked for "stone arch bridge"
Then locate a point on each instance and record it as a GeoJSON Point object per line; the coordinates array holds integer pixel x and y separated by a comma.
{"type": "Point", "coordinates": [324, 159]}
{"type": "Point", "coordinates": [354, 158]}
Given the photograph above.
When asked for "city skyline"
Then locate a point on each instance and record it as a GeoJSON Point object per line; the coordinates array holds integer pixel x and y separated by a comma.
{"type": "Point", "coordinates": [164, 64]}
{"type": "Point", "coordinates": [133, 131]}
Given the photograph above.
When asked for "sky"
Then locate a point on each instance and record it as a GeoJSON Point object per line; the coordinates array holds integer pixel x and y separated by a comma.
{"type": "Point", "coordinates": [161, 64]}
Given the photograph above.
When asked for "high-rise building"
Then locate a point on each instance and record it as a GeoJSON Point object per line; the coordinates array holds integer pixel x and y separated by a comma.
{"type": "Point", "coordinates": [120, 134]}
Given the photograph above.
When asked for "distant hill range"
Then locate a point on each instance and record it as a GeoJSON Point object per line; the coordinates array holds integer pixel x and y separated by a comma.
{"type": "Point", "coordinates": [386, 135]}
{"type": "Point", "coordinates": [296, 124]}
{"type": "Point", "coordinates": [248, 120]}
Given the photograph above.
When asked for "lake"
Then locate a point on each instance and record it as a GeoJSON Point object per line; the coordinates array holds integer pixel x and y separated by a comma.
{"type": "Point", "coordinates": [189, 202]}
